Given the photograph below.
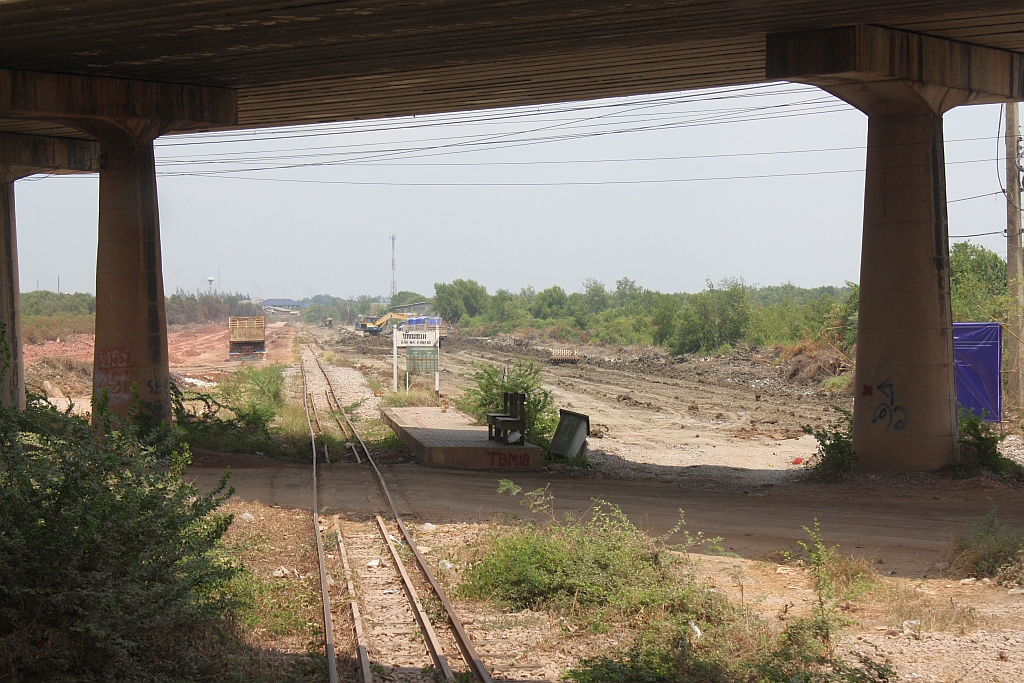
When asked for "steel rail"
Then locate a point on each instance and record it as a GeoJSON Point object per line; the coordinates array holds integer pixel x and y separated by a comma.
{"type": "Point", "coordinates": [332, 662]}
{"type": "Point", "coordinates": [469, 653]}
{"type": "Point", "coordinates": [433, 645]}
{"type": "Point", "coordinates": [341, 410]}
{"type": "Point", "coordinates": [365, 672]}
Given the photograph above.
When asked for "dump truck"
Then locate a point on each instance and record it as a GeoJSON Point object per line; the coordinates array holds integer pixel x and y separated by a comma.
{"type": "Point", "coordinates": [564, 354]}
{"type": "Point", "coordinates": [247, 337]}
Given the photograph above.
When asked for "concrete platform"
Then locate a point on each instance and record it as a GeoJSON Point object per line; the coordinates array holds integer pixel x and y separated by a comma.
{"type": "Point", "coordinates": [451, 440]}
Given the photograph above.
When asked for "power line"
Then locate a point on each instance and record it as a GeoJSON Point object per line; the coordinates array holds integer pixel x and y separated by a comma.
{"type": "Point", "coordinates": [224, 174]}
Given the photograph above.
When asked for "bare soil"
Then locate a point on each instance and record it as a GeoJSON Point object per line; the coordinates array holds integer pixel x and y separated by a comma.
{"type": "Point", "coordinates": [197, 355]}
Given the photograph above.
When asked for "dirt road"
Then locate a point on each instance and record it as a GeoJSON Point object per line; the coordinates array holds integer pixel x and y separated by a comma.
{"type": "Point", "coordinates": [906, 524]}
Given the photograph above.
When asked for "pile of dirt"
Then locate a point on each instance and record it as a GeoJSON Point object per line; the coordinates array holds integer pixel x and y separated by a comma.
{"type": "Point", "coordinates": [812, 363]}
{"type": "Point", "coordinates": [71, 375]}
{"type": "Point", "coordinates": [80, 346]}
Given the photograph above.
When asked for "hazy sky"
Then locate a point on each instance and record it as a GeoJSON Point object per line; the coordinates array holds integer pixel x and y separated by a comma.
{"type": "Point", "coordinates": [532, 196]}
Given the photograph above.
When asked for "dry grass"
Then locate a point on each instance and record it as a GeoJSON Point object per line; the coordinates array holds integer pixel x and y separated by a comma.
{"type": "Point", "coordinates": [414, 397]}
{"type": "Point", "coordinates": [990, 550]}
{"type": "Point", "coordinates": [334, 359]}
{"type": "Point", "coordinates": [897, 601]}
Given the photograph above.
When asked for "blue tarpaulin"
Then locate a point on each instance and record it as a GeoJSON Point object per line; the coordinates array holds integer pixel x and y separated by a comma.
{"type": "Point", "coordinates": [978, 352]}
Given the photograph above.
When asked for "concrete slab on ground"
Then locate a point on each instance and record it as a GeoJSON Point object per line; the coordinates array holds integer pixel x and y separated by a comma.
{"type": "Point", "coordinates": [450, 439]}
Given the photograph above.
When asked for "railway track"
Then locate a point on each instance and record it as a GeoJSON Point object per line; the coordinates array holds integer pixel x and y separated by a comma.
{"type": "Point", "coordinates": [387, 583]}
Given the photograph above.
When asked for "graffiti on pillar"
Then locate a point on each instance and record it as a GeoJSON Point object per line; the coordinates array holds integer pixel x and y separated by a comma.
{"type": "Point", "coordinates": [112, 373]}
{"type": "Point", "coordinates": [158, 386]}
{"type": "Point", "coordinates": [894, 416]}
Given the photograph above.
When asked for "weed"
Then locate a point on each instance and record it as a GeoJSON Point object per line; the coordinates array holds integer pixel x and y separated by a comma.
{"type": "Point", "coordinates": [734, 645]}
{"type": "Point", "coordinates": [835, 456]}
{"type": "Point", "coordinates": [837, 580]}
{"type": "Point", "coordinates": [845, 576]}
{"type": "Point", "coordinates": [837, 384]}
{"type": "Point", "coordinates": [538, 500]}
{"type": "Point", "coordinates": [901, 603]}
{"type": "Point", "coordinates": [979, 449]}
{"type": "Point", "coordinates": [990, 550]}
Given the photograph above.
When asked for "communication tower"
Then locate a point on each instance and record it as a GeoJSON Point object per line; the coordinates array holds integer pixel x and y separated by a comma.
{"type": "Point", "coordinates": [394, 284]}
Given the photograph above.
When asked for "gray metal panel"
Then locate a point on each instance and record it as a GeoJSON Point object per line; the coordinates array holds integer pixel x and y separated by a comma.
{"type": "Point", "coordinates": [570, 435]}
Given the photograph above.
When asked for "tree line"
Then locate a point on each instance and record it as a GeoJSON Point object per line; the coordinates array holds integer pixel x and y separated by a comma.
{"type": "Point", "coordinates": [48, 315]}
{"type": "Point", "coordinates": [719, 317]}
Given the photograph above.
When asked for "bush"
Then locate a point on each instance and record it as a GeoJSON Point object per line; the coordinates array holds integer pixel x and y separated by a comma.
{"type": "Point", "coordinates": [523, 375]}
{"type": "Point", "coordinates": [600, 567]}
{"type": "Point", "coordinates": [990, 550]}
{"type": "Point", "coordinates": [835, 456]}
{"type": "Point", "coordinates": [979, 449]}
{"type": "Point", "coordinates": [107, 554]}
{"type": "Point", "coordinates": [239, 417]}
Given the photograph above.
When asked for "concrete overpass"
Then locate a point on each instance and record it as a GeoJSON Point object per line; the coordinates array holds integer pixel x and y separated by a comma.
{"type": "Point", "coordinates": [100, 80]}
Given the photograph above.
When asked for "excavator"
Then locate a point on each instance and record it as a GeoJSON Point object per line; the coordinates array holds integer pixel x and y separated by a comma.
{"type": "Point", "coordinates": [374, 327]}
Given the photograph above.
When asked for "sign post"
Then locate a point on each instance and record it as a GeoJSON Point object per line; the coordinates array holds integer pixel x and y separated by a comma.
{"type": "Point", "coordinates": [394, 361]}
{"type": "Point", "coordinates": [425, 339]}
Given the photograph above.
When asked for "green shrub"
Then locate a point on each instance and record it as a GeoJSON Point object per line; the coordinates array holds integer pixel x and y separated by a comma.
{"type": "Point", "coordinates": [523, 375]}
{"type": "Point", "coordinates": [107, 554]}
{"type": "Point", "coordinates": [835, 456]}
{"type": "Point", "coordinates": [247, 414]}
{"type": "Point", "coordinates": [990, 550]}
{"type": "Point", "coordinates": [979, 449]}
{"type": "Point", "coordinates": [592, 569]}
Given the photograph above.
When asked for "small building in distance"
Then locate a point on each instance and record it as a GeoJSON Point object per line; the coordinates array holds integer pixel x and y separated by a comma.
{"type": "Point", "coordinates": [247, 337]}
{"type": "Point", "coordinates": [418, 308]}
{"type": "Point", "coordinates": [281, 306]}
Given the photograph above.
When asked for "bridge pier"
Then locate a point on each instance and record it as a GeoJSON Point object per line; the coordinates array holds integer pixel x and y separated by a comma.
{"type": "Point", "coordinates": [131, 324]}
{"type": "Point", "coordinates": [12, 365]}
{"type": "Point", "coordinates": [124, 117]}
{"type": "Point", "coordinates": [905, 410]}
{"type": "Point", "coordinates": [20, 156]}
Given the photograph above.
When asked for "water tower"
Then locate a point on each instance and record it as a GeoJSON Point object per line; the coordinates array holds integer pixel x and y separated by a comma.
{"type": "Point", "coordinates": [210, 280]}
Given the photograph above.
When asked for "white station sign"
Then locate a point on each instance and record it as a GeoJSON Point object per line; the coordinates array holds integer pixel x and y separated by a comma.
{"type": "Point", "coordinates": [416, 337]}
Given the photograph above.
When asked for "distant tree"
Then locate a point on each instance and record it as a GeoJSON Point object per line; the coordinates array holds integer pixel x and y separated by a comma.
{"type": "Point", "coordinates": [664, 320]}
{"type": "Point", "coordinates": [626, 290]}
{"type": "Point", "coordinates": [595, 295]}
{"type": "Point", "coordinates": [43, 302]}
{"type": "Point", "coordinates": [404, 297]}
{"type": "Point", "coordinates": [460, 298]}
{"type": "Point", "coordinates": [549, 303]}
{"type": "Point", "coordinates": [714, 317]}
{"type": "Point", "coordinates": [977, 283]}
{"type": "Point", "coordinates": [322, 300]}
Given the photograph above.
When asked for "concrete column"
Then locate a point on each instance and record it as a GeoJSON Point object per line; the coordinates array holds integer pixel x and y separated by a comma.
{"type": "Point", "coordinates": [131, 324]}
{"type": "Point", "coordinates": [12, 384]}
{"type": "Point", "coordinates": [905, 410]}
{"type": "Point", "coordinates": [20, 156]}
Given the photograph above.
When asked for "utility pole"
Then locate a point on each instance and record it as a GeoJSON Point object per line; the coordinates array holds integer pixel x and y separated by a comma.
{"type": "Point", "coordinates": [394, 283]}
{"type": "Point", "coordinates": [1014, 262]}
